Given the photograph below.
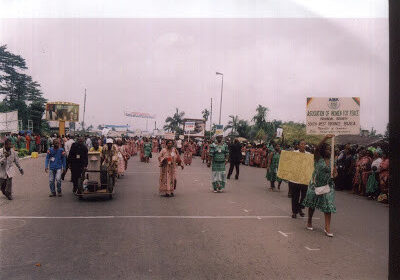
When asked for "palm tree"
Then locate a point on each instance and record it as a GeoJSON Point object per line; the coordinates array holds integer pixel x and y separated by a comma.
{"type": "Point", "coordinates": [205, 113]}
{"type": "Point", "coordinates": [260, 136]}
{"type": "Point", "coordinates": [174, 123]}
{"type": "Point", "coordinates": [260, 119]}
{"type": "Point", "coordinates": [243, 129]}
{"type": "Point", "coordinates": [232, 124]}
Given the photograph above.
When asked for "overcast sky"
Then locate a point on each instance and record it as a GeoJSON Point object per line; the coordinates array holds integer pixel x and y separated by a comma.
{"type": "Point", "coordinates": [155, 65]}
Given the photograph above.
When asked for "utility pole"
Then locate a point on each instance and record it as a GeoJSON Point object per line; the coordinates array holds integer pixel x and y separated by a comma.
{"type": "Point", "coordinates": [84, 111]}
{"type": "Point", "coordinates": [220, 102]}
{"type": "Point", "coordinates": [211, 118]}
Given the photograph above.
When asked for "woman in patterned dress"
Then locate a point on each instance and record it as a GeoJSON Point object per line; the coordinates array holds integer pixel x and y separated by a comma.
{"type": "Point", "coordinates": [218, 155]}
{"type": "Point", "coordinates": [204, 151]}
{"type": "Point", "coordinates": [169, 158]}
{"type": "Point", "coordinates": [187, 153]}
{"type": "Point", "coordinates": [147, 148]}
{"type": "Point", "coordinates": [321, 177]}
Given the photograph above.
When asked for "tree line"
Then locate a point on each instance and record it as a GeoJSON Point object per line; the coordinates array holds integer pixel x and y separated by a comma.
{"type": "Point", "coordinates": [20, 92]}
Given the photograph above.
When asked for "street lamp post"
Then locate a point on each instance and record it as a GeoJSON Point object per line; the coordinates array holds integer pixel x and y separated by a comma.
{"type": "Point", "coordinates": [220, 103]}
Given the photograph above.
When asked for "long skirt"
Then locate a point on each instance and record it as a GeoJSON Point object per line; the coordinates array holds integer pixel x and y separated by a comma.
{"type": "Point", "coordinates": [167, 179]}
{"type": "Point", "coordinates": [121, 165]}
{"type": "Point", "coordinates": [204, 155]}
{"type": "Point", "coordinates": [247, 159]}
{"type": "Point", "coordinates": [187, 158]}
{"type": "Point", "coordinates": [218, 179]}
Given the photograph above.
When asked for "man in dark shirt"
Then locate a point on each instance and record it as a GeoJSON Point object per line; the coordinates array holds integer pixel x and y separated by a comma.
{"type": "Point", "coordinates": [235, 156]}
{"type": "Point", "coordinates": [78, 161]}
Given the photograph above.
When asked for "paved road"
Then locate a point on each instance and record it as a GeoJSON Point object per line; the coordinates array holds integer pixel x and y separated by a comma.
{"type": "Point", "coordinates": [244, 233]}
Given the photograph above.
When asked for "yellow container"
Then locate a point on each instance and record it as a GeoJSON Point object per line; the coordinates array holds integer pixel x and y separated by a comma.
{"type": "Point", "coordinates": [34, 155]}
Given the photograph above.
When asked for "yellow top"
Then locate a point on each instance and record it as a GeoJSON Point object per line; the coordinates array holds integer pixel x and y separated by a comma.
{"type": "Point", "coordinates": [93, 150]}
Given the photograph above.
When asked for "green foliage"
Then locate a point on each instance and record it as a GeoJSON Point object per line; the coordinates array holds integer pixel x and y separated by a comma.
{"type": "Point", "coordinates": [205, 114]}
{"type": "Point", "coordinates": [232, 124]}
{"type": "Point", "coordinates": [23, 153]}
{"type": "Point", "coordinates": [297, 131]}
{"type": "Point", "coordinates": [372, 132]}
{"type": "Point", "coordinates": [261, 135]}
{"type": "Point", "coordinates": [19, 90]}
{"type": "Point", "coordinates": [175, 122]}
{"type": "Point", "coordinates": [243, 129]}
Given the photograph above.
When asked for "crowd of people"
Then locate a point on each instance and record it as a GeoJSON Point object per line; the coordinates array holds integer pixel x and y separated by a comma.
{"type": "Point", "coordinates": [365, 171]}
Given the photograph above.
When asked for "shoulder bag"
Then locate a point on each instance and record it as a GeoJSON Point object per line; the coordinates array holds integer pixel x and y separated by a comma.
{"type": "Point", "coordinates": [321, 190]}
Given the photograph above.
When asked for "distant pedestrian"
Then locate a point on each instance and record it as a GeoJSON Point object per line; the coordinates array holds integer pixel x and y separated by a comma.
{"type": "Point", "coordinates": [89, 144]}
{"type": "Point", "coordinates": [109, 159]}
{"type": "Point", "coordinates": [55, 164]}
{"type": "Point", "coordinates": [272, 167]}
{"type": "Point", "coordinates": [321, 177]}
{"type": "Point", "coordinates": [235, 157]}
{"type": "Point", "coordinates": [187, 153]}
{"type": "Point", "coordinates": [179, 146]}
{"type": "Point", "coordinates": [147, 148]}
{"type": "Point", "coordinates": [7, 157]}
{"type": "Point", "coordinates": [67, 146]}
{"type": "Point", "coordinates": [218, 157]}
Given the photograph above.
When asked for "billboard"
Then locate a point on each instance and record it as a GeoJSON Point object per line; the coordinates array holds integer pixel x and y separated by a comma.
{"type": "Point", "coordinates": [9, 122]}
{"type": "Point", "coordinates": [333, 115]}
{"type": "Point", "coordinates": [194, 127]}
{"type": "Point", "coordinates": [139, 115]}
{"type": "Point", "coordinates": [62, 111]}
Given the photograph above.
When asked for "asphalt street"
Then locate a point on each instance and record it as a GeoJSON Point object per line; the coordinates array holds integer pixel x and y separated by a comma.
{"type": "Point", "coordinates": [244, 233]}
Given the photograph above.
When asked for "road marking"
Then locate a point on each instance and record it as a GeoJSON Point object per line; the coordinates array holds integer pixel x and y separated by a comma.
{"type": "Point", "coordinates": [284, 234]}
{"type": "Point", "coordinates": [143, 217]}
{"type": "Point", "coordinates": [309, 249]}
{"type": "Point", "coordinates": [152, 172]}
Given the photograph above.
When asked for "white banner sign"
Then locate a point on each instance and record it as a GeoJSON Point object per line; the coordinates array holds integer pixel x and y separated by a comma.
{"type": "Point", "coordinates": [9, 122]}
{"type": "Point", "coordinates": [338, 116]}
{"type": "Point", "coordinates": [189, 126]}
{"type": "Point", "coordinates": [105, 131]}
{"type": "Point", "coordinates": [139, 115]}
{"type": "Point", "coordinates": [279, 132]}
{"type": "Point", "coordinates": [169, 135]}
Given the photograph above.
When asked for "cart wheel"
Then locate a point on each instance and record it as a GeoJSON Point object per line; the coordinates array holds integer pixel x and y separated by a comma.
{"type": "Point", "coordinates": [110, 185]}
{"type": "Point", "coordinates": [110, 196]}
{"type": "Point", "coordinates": [80, 185]}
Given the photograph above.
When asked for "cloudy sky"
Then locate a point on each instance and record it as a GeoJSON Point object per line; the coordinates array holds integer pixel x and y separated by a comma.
{"type": "Point", "coordinates": [154, 65]}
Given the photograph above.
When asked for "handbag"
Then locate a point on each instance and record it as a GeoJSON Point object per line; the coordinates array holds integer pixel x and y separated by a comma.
{"type": "Point", "coordinates": [321, 190]}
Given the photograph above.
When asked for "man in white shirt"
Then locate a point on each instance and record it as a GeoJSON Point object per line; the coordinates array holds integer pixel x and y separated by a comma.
{"type": "Point", "coordinates": [7, 157]}
{"type": "Point", "coordinates": [89, 144]}
{"type": "Point", "coordinates": [67, 147]}
{"type": "Point", "coordinates": [298, 191]}
{"type": "Point", "coordinates": [179, 146]}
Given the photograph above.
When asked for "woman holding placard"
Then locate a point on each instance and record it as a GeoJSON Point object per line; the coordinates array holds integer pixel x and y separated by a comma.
{"type": "Point", "coordinates": [321, 192]}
